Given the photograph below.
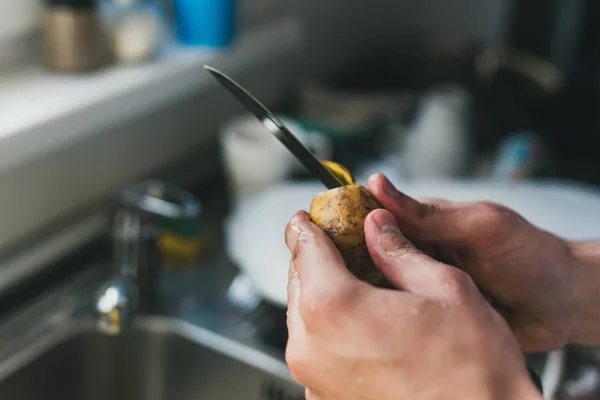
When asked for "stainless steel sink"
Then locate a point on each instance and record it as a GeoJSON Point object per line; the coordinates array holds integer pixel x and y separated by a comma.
{"type": "Point", "coordinates": [157, 359]}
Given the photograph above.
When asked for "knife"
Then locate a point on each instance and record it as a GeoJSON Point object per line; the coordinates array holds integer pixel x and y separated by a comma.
{"type": "Point", "coordinates": [278, 129]}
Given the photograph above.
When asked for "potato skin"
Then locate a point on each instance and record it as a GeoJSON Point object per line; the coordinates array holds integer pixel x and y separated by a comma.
{"type": "Point", "coordinates": [341, 214]}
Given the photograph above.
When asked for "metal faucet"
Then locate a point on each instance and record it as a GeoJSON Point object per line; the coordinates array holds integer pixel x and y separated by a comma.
{"type": "Point", "coordinates": [137, 260]}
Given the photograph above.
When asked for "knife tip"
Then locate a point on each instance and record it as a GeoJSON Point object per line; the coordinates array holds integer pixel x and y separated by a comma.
{"type": "Point", "coordinates": [215, 72]}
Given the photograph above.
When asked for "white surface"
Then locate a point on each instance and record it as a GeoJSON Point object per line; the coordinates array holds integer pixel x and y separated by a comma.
{"type": "Point", "coordinates": [256, 228]}
{"type": "Point", "coordinates": [18, 18]}
{"type": "Point", "coordinates": [34, 97]}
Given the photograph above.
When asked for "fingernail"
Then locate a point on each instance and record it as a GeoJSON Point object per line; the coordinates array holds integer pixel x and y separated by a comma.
{"type": "Point", "coordinates": [388, 187]}
{"type": "Point", "coordinates": [297, 219]}
{"type": "Point", "coordinates": [386, 222]}
{"type": "Point", "coordinates": [391, 239]}
{"type": "Point", "coordinates": [295, 222]}
{"type": "Point", "coordinates": [295, 225]}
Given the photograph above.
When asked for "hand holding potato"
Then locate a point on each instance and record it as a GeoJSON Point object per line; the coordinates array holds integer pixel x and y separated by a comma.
{"type": "Point", "coordinates": [436, 339]}
{"type": "Point", "coordinates": [544, 286]}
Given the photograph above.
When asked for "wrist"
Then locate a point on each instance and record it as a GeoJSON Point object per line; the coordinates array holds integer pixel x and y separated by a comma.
{"type": "Point", "coordinates": [585, 290]}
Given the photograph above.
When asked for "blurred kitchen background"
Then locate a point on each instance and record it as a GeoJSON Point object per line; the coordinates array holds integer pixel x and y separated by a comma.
{"type": "Point", "coordinates": [143, 209]}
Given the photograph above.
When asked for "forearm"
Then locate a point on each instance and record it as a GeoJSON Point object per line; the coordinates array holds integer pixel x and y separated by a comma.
{"type": "Point", "coordinates": [585, 325]}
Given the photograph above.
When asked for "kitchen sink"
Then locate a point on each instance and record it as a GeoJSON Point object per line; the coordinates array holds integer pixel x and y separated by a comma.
{"type": "Point", "coordinates": [154, 360]}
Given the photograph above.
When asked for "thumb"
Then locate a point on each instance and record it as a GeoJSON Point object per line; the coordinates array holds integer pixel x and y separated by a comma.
{"type": "Point", "coordinates": [405, 266]}
{"type": "Point", "coordinates": [439, 221]}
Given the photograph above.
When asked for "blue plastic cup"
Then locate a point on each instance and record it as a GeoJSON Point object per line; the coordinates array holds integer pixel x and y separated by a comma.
{"type": "Point", "coordinates": [208, 23]}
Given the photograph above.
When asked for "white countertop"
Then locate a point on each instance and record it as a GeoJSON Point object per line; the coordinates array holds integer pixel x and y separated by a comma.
{"type": "Point", "coordinates": [33, 97]}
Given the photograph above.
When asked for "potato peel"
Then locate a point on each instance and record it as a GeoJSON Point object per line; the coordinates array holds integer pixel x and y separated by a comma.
{"type": "Point", "coordinates": [340, 172]}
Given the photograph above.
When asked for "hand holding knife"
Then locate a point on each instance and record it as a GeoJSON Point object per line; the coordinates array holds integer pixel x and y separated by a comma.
{"type": "Point", "coordinates": [287, 138]}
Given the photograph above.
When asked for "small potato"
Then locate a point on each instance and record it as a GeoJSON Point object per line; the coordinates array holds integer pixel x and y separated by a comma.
{"type": "Point", "coordinates": [341, 214]}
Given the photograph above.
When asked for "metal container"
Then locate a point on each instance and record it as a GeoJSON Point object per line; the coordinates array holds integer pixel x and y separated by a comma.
{"type": "Point", "coordinates": [74, 40]}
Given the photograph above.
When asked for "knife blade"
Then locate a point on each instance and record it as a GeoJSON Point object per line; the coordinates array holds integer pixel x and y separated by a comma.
{"type": "Point", "coordinates": [277, 128]}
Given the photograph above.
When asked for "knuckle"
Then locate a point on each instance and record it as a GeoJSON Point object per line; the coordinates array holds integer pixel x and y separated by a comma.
{"type": "Point", "coordinates": [487, 209]}
{"type": "Point", "coordinates": [297, 360]}
{"type": "Point", "coordinates": [489, 219]}
{"type": "Point", "coordinates": [313, 305]}
{"type": "Point", "coordinates": [458, 285]}
{"type": "Point", "coordinates": [429, 209]}
{"type": "Point", "coordinates": [321, 305]}
{"type": "Point", "coordinates": [494, 213]}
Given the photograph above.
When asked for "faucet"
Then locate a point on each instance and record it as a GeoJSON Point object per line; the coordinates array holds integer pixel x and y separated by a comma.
{"type": "Point", "coordinates": [141, 210]}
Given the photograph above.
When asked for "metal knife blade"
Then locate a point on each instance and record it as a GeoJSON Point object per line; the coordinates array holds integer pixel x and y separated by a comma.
{"type": "Point", "coordinates": [278, 129]}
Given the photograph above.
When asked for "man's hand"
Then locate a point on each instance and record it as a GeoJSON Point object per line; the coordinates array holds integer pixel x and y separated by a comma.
{"type": "Point", "coordinates": [436, 339]}
{"type": "Point", "coordinates": [531, 276]}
